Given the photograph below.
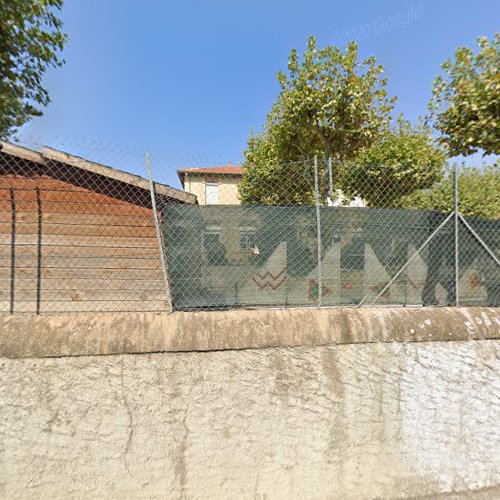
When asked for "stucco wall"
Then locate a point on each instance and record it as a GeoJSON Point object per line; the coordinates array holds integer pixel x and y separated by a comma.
{"type": "Point", "coordinates": [228, 187]}
{"type": "Point", "coordinates": [368, 420]}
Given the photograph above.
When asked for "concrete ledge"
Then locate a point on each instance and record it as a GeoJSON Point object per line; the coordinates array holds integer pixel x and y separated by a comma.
{"type": "Point", "coordinates": [117, 333]}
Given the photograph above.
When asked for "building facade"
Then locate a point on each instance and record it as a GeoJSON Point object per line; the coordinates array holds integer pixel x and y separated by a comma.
{"type": "Point", "coordinates": [212, 185]}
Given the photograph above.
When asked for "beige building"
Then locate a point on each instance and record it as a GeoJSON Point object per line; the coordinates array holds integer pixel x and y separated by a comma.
{"type": "Point", "coordinates": [212, 185]}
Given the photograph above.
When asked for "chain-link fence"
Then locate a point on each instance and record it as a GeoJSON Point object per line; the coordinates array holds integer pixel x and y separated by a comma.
{"type": "Point", "coordinates": [308, 234]}
{"type": "Point", "coordinates": [79, 235]}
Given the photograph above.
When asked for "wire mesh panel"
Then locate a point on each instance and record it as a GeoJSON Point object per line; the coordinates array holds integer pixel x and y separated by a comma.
{"type": "Point", "coordinates": [244, 256]}
{"type": "Point", "coordinates": [286, 237]}
{"type": "Point", "coordinates": [479, 254]}
{"type": "Point", "coordinates": [374, 245]}
{"type": "Point", "coordinates": [76, 236]}
{"type": "Point", "coordinates": [231, 256]}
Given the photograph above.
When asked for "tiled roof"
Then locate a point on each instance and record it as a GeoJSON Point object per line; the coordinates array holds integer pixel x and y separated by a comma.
{"type": "Point", "coordinates": [224, 170]}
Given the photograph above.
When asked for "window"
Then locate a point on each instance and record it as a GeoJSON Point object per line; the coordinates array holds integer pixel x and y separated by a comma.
{"type": "Point", "coordinates": [215, 250]}
{"type": "Point", "coordinates": [211, 237]}
{"type": "Point", "coordinates": [211, 193]}
{"type": "Point", "coordinates": [247, 238]}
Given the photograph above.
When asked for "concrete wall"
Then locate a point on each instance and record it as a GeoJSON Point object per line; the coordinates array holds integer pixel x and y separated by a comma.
{"type": "Point", "coordinates": [96, 334]}
{"type": "Point", "coordinates": [338, 417]}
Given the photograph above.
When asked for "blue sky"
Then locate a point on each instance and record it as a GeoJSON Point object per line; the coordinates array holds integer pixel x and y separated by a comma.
{"type": "Point", "coordinates": [192, 78]}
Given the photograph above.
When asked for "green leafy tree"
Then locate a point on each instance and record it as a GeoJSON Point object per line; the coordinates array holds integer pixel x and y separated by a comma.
{"type": "Point", "coordinates": [465, 105]}
{"type": "Point", "coordinates": [330, 104]}
{"type": "Point", "coordinates": [398, 163]}
{"type": "Point", "coordinates": [31, 40]}
{"type": "Point", "coordinates": [478, 190]}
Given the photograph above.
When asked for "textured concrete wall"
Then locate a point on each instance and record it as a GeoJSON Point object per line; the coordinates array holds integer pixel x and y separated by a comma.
{"type": "Point", "coordinates": [117, 333]}
{"type": "Point", "coordinates": [369, 420]}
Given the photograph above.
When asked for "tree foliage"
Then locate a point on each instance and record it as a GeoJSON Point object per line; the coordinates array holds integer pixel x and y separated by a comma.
{"type": "Point", "coordinates": [465, 105]}
{"type": "Point", "coordinates": [31, 40]}
{"type": "Point", "coordinates": [278, 183]}
{"type": "Point", "coordinates": [478, 190]}
{"type": "Point", "coordinates": [398, 163]}
{"type": "Point", "coordinates": [330, 104]}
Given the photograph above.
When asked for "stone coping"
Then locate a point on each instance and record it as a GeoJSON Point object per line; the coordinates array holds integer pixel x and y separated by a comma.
{"type": "Point", "coordinates": [81, 334]}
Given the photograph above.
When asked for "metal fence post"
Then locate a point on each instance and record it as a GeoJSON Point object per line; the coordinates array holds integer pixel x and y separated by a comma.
{"type": "Point", "coordinates": [455, 211]}
{"type": "Point", "coordinates": [161, 249]}
{"type": "Point", "coordinates": [330, 178]}
{"type": "Point", "coordinates": [13, 233]}
{"type": "Point", "coordinates": [318, 232]}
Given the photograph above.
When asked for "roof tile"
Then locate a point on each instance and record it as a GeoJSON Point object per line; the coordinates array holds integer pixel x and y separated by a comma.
{"type": "Point", "coordinates": [227, 169]}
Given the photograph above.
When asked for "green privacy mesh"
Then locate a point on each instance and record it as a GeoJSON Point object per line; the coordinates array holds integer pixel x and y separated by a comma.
{"type": "Point", "coordinates": [225, 256]}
